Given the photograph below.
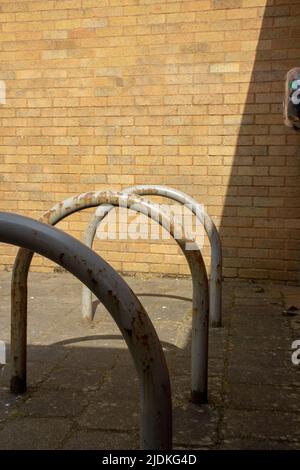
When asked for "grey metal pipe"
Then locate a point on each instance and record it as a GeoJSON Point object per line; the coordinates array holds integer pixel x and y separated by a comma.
{"type": "Point", "coordinates": [194, 259]}
{"type": "Point", "coordinates": [215, 285]}
{"type": "Point", "coordinates": [123, 305]}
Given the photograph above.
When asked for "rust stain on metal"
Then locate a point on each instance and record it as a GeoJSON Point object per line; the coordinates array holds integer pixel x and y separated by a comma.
{"type": "Point", "coordinates": [52, 244]}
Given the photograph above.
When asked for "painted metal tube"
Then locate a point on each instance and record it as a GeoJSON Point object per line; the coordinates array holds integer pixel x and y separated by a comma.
{"type": "Point", "coordinates": [194, 259]}
{"type": "Point", "coordinates": [215, 285]}
{"type": "Point", "coordinates": [123, 305]}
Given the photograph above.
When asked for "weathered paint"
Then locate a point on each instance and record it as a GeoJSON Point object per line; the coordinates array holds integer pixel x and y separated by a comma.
{"type": "Point", "coordinates": [118, 298]}
{"type": "Point", "coordinates": [215, 285]}
{"type": "Point", "coordinates": [194, 259]}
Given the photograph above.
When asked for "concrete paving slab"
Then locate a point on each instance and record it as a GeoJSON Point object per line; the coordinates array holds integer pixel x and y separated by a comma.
{"type": "Point", "coordinates": [83, 389]}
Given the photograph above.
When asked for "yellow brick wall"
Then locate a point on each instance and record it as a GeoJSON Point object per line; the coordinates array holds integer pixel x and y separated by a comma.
{"type": "Point", "coordinates": [102, 94]}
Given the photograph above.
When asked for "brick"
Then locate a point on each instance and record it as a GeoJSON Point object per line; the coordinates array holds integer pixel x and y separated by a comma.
{"type": "Point", "coordinates": [224, 68]}
{"type": "Point", "coordinates": [180, 17]}
{"type": "Point", "coordinates": [179, 93]}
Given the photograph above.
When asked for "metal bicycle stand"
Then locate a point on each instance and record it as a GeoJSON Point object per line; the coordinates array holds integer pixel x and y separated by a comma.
{"type": "Point", "coordinates": [215, 284]}
{"type": "Point", "coordinates": [123, 305]}
{"type": "Point", "coordinates": [199, 368]}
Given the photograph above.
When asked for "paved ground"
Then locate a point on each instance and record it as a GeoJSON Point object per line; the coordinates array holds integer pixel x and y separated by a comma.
{"type": "Point", "coordinates": [83, 389]}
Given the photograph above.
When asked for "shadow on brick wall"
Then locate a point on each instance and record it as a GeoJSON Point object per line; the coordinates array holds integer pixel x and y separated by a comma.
{"type": "Point", "coordinates": [260, 225]}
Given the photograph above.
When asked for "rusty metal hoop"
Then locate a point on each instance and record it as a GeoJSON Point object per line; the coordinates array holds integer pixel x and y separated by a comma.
{"type": "Point", "coordinates": [194, 258]}
{"type": "Point", "coordinates": [120, 301]}
{"type": "Point", "coordinates": [215, 283]}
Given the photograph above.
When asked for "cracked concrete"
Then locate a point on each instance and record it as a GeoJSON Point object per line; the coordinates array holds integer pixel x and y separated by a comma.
{"type": "Point", "coordinates": [83, 389]}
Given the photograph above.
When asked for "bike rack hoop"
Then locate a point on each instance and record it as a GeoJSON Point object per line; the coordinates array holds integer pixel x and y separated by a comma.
{"type": "Point", "coordinates": [194, 259]}
{"type": "Point", "coordinates": [120, 301]}
{"type": "Point", "coordinates": [215, 284]}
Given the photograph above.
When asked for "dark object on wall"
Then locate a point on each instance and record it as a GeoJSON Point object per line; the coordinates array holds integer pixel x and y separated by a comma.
{"type": "Point", "coordinates": [291, 106]}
